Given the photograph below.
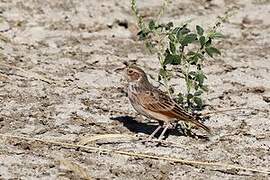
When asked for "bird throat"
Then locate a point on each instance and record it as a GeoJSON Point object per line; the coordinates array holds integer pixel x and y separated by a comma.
{"type": "Point", "coordinates": [139, 86]}
{"type": "Point", "coordinates": [134, 87]}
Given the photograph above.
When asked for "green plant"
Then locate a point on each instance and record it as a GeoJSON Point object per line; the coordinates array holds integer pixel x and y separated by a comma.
{"type": "Point", "coordinates": [181, 50]}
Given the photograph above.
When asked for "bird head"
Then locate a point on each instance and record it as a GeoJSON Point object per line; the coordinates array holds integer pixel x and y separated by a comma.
{"type": "Point", "coordinates": [135, 74]}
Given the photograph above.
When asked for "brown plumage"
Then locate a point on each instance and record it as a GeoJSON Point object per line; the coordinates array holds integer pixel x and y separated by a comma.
{"type": "Point", "coordinates": [153, 103]}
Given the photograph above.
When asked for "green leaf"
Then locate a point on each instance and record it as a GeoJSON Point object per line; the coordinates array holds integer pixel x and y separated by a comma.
{"type": "Point", "coordinates": [169, 26]}
{"type": "Point", "coordinates": [180, 98]}
{"type": "Point", "coordinates": [200, 78]}
{"type": "Point", "coordinates": [162, 73]}
{"type": "Point", "coordinates": [193, 59]}
{"type": "Point", "coordinates": [179, 36]}
{"type": "Point", "coordinates": [191, 53]}
{"type": "Point", "coordinates": [202, 40]}
{"type": "Point", "coordinates": [216, 35]}
{"type": "Point", "coordinates": [167, 51]}
{"type": "Point", "coordinates": [199, 66]}
{"type": "Point", "coordinates": [189, 84]}
{"type": "Point", "coordinates": [176, 29]}
{"type": "Point", "coordinates": [204, 87]}
{"type": "Point", "coordinates": [189, 38]}
{"type": "Point", "coordinates": [198, 93]}
{"type": "Point", "coordinates": [149, 46]}
{"type": "Point", "coordinates": [171, 89]}
{"type": "Point", "coordinates": [172, 47]}
{"type": "Point", "coordinates": [172, 38]}
{"type": "Point", "coordinates": [189, 96]}
{"type": "Point", "coordinates": [211, 51]}
{"type": "Point", "coordinates": [200, 56]}
{"type": "Point", "coordinates": [173, 59]}
{"type": "Point", "coordinates": [168, 59]}
{"type": "Point", "coordinates": [151, 25]}
{"type": "Point", "coordinates": [185, 30]}
{"type": "Point", "coordinates": [192, 73]}
{"type": "Point", "coordinates": [198, 101]}
{"type": "Point", "coordinates": [199, 30]}
{"type": "Point", "coordinates": [208, 42]}
{"type": "Point", "coordinates": [180, 32]}
{"type": "Point", "coordinates": [196, 86]}
{"type": "Point", "coordinates": [143, 34]}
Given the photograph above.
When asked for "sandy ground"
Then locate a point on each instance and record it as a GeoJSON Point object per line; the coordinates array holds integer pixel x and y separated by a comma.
{"type": "Point", "coordinates": [58, 82]}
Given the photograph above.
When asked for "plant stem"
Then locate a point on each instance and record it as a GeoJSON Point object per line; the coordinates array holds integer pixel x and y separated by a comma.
{"type": "Point", "coordinates": [162, 9]}
{"type": "Point", "coordinates": [137, 15]}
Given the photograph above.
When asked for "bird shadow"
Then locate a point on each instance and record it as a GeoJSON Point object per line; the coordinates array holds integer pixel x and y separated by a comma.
{"type": "Point", "coordinates": [141, 127]}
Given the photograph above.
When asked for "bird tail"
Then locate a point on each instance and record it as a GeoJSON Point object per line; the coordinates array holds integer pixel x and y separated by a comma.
{"type": "Point", "coordinates": [199, 124]}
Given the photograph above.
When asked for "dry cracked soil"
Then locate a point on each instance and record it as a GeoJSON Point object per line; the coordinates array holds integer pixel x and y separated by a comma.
{"type": "Point", "coordinates": [60, 82]}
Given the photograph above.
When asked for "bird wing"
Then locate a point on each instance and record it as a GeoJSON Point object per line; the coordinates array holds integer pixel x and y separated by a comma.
{"type": "Point", "coordinates": [158, 102]}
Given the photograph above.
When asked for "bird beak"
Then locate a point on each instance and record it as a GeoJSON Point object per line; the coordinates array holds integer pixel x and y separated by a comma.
{"type": "Point", "coordinates": [120, 69]}
{"type": "Point", "coordinates": [125, 65]}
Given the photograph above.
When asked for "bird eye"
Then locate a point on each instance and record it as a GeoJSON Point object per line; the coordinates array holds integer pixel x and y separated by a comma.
{"type": "Point", "coordinates": [130, 71]}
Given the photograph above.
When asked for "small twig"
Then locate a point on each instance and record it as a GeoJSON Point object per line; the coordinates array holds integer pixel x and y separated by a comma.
{"type": "Point", "coordinates": [221, 111]}
{"type": "Point", "coordinates": [141, 155]}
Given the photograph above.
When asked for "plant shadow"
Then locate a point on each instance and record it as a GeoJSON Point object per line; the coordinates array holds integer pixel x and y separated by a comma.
{"type": "Point", "coordinates": [147, 128]}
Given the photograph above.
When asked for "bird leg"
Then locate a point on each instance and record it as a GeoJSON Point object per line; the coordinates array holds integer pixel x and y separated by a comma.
{"type": "Point", "coordinates": [153, 134]}
{"type": "Point", "coordinates": [163, 132]}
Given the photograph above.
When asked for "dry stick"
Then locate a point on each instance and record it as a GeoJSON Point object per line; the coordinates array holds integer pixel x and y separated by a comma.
{"type": "Point", "coordinates": [221, 111]}
{"type": "Point", "coordinates": [93, 149]}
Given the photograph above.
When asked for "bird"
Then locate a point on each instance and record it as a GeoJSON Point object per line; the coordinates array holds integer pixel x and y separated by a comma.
{"type": "Point", "coordinates": [153, 103]}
